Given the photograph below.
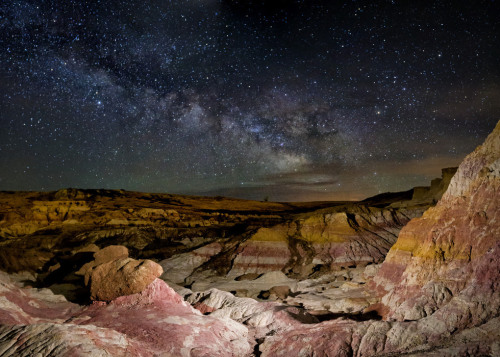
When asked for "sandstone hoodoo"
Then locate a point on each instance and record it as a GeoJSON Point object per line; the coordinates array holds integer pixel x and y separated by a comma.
{"type": "Point", "coordinates": [113, 274]}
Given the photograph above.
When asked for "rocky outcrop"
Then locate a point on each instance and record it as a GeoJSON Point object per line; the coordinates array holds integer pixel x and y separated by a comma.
{"type": "Point", "coordinates": [453, 248]}
{"type": "Point", "coordinates": [440, 282]}
{"type": "Point", "coordinates": [50, 339]}
{"type": "Point", "coordinates": [26, 213]}
{"type": "Point", "coordinates": [125, 276]}
{"type": "Point", "coordinates": [154, 322]}
{"type": "Point", "coordinates": [197, 240]}
{"type": "Point", "coordinates": [248, 288]}
{"type": "Point", "coordinates": [343, 236]}
{"type": "Point", "coordinates": [38, 229]}
{"type": "Point", "coordinates": [323, 241]}
{"type": "Point", "coordinates": [113, 274]}
{"type": "Point", "coordinates": [262, 319]}
{"type": "Point", "coordinates": [159, 319]}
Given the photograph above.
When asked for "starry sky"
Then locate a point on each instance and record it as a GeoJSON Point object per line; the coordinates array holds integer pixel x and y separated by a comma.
{"type": "Point", "coordinates": [279, 100]}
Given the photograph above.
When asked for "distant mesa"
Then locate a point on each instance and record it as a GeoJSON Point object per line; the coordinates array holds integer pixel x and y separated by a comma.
{"type": "Point", "coordinates": [437, 188]}
{"type": "Point", "coordinates": [422, 194]}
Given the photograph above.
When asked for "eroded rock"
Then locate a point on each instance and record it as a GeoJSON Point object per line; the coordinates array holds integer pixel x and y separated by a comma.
{"type": "Point", "coordinates": [154, 322]}
{"type": "Point", "coordinates": [124, 276]}
{"type": "Point", "coordinates": [443, 274]}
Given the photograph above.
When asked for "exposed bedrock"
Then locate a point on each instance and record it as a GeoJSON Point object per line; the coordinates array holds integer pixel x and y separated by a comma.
{"type": "Point", "coordinates": [325, 240]}
{"type": "Point", "coordinates": [440, 282]}
{"type": "Point", "coordinates": [38, 230]}
{"type": "Point", "coordinates": [453, 250]}
{"type": "Point", "coordinates": [198, 239]}
{"type": "Point", "coordinates": [343, 236]}
{"type": "Point", "coordinates": [153, 322]}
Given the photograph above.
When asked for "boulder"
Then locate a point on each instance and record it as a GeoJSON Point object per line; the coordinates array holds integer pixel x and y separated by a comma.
{"type": "Point", "coordinates": [124, 276]}
{"type": "Point", "coordinates": [280, 291]}
{"type": "Point", "coordinates": [104, 255]}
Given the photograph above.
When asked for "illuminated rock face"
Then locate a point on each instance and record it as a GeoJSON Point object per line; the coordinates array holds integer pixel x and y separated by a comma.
{"type": "Point", "coordinates": [113, 274]}
{"type": "Point", "coordinates": [454, 248]}
{"type": "Point", "coordinates": [440, 282]}
{"type": "Point", "coordinates": [329, 239]}
{"type": "Point", "coordinates": [125, 276]}
{"type": "Point", "coordinates": [154, 322]}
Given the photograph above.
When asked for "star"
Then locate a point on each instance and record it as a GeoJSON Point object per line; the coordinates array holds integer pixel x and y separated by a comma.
{"type": "Point", "coordinates": [208, 97]}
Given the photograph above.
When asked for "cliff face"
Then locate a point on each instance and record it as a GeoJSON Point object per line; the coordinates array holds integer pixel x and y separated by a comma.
{"type": "Point", "coordinates": [440, 282]}
{"type": "Point", "coordinates": [328, 239]}
{"type": "Point", "coordinates": [454, 248]}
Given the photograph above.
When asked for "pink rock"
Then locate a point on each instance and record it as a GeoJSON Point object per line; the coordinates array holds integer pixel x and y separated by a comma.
{"type": "Point", "coordinates": [159, 318]}
{"type": "Point", "coordinates": [443, 273]}
{"type": "Point", "coordinates": [449, 249]}
{"type": "Point", "coordinates": [154, 322]}
{"type": "Point", "coordinates": [28, 306]}
{"type": "Point", "coordinates": [109, 253]}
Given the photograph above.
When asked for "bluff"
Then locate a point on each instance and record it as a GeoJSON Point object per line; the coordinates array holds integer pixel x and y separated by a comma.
{"type": "Point", "coordinates": [440, 282]}
{"type": "Point", "coordinates": [453, 250]}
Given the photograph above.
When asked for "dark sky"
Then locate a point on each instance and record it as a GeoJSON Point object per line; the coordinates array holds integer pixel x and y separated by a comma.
{"type": "Point", "coordinates": [290, 100]}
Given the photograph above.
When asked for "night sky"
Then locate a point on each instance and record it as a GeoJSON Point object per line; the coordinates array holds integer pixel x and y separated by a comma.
{"type": "Point", "coordinates": [286, 100]}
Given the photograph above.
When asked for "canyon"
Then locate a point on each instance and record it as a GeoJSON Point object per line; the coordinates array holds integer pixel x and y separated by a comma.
{"type": "Point", "coordinates": [113, 272]}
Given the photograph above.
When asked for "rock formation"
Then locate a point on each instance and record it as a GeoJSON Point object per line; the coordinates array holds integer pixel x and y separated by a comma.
{"type": "Point", "coordinates": [311, 279]}
{"type": "Point", "coordinates": [440, 282]}
{"type": "Point", "coordinates": [113, 274]}
{"type": "Point", "coordinates": [326, 239]}
{"type": "Point", "coordinates": [452, 251]}
{"type": "Point", "coordinates": [197, 240]}
{"type": "Point", "coordinates": [155, 321]}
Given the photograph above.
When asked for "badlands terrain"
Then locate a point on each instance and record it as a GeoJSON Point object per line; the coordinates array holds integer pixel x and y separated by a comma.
{"type": "Point", "coordinates": [118, 273]}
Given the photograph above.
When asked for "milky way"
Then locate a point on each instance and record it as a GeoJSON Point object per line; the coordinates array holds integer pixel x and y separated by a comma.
{"type": "Point", "coordinates": [286, 100]}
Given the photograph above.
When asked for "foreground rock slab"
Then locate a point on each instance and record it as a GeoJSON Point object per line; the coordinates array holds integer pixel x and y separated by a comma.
{"type": "Point", "coordinates": [154, 322]}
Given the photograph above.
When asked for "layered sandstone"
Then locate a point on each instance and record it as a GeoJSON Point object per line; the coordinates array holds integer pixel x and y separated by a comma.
{"type": "Point", "coordinates": [440, 282]}
{"type": "Point", "coordinates": [195, 239]}
{"type": "Point", "coordinates": [327, 239]}
{"type": "Point", "coordinates": [443, 254]}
